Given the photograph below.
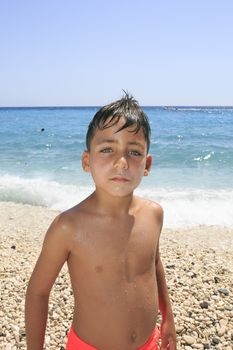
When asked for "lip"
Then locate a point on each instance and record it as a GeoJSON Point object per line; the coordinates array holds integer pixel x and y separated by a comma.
{"type": "Point", "coordinates": [119, 179]}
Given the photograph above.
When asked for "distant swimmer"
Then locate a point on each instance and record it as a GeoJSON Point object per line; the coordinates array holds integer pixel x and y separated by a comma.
{"type": "Point", "coordinates": [42, 129]}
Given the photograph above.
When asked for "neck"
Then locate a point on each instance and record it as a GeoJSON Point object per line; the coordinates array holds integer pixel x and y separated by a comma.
{"type": "Point", "coordinates": [112, 205]}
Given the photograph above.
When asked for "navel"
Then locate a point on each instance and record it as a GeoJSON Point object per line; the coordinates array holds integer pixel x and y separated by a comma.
{"type": "Point", "coordinates": [99, 268]}
{"type": "Point", "coordinates": [133, 336]}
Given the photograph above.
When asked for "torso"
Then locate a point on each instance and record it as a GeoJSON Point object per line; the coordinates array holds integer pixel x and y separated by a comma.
{"type": "Point", "coordinates": [112, 269]}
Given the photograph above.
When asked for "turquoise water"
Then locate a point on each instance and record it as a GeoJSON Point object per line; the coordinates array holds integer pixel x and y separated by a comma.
{"type": "Point", "coordinates": [192, 151]}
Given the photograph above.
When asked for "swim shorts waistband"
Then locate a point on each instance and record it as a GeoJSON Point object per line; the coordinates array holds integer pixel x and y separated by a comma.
{"type": "Point", "coordinates": [76, 343]}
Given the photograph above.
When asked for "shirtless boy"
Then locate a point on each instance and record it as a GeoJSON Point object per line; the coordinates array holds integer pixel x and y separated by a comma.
{"type": "Point", "coordinates": [110, 242]}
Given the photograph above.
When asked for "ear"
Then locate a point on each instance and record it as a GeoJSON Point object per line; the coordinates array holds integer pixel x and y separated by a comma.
{"type": "Point", "coordinates": [148, 164]}
{"type": "Point", "coordinates": [86, 161]}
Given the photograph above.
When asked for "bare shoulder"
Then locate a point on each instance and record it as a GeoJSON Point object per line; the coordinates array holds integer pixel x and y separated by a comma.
{"type": "Point", "coordinates": [57, 246]}
{"type": "Point", "coordinates": [62, 227]}
{"type": "Point", "coordinates": [150, 207]}
{"type": "Point", "coordinates": [69, 221]}
{"type": "Point", "coordinates": [66, 221]}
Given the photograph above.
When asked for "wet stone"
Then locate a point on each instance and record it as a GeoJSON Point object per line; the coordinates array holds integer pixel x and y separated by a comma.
{"type": "Point", "coordinates": [204, 305]}
{"type": "Point", "coordinates": [223, 291]}
{"type": "Point", "coordinates": [170, 266]}
{"type": "Point", "coordinates": [215, 341]}
{"type": "Point", "coordinates": [217, 279]}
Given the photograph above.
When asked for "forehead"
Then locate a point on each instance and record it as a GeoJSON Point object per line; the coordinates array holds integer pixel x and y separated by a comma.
{"type": "Point", "coordinates": [113, 132]}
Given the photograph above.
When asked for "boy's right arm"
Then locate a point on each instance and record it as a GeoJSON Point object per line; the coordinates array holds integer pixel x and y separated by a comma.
{"type": "Point", "coordinates": [55, 251]}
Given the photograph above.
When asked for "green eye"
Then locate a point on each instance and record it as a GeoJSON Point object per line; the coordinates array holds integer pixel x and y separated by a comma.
{"type": "Point", "coordinates": [106, 150]}
{"type": "Point", "coordinates": [134, 153]}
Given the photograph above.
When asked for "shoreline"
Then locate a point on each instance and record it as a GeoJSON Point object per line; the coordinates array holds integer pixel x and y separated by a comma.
{"type": "Point", "coordinates": [198, 263]}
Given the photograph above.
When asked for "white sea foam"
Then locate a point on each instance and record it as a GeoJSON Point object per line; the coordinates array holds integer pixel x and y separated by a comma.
{"type": "Point", "coordinates": [182, 207]}
{"type": "Point", "coordinates": [41, 192]}
{"type": "Point", "coordinates": [191, 207]}
{"type": "Point", "coordinates": [208, 156]}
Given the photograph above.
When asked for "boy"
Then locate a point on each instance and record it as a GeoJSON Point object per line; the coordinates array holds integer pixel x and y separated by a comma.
{"type": "Point", "coordinates": [111, 244]}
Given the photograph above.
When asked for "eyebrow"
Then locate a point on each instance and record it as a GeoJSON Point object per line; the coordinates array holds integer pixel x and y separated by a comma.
{"type": "Point", "coordinates": [135, 143]}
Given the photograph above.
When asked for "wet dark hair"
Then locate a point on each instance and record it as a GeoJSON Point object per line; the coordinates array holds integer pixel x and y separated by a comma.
{"type": "Point", "coordinates": [128, 108]}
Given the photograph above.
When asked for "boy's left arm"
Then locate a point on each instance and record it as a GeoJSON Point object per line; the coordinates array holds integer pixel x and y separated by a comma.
{"type": "Point", "coordinates": [168, 332]}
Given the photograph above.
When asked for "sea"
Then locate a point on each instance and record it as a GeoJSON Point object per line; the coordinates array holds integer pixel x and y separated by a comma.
{"type": "Point", "coordinates": [191, 175]}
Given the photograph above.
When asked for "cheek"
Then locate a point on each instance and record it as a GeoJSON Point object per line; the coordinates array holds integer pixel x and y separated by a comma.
{"type": "Point", "coordinates": [99, 163]}
{"type": "Point", "coordinates": [98, 166]}
{"type": "Point", "coordinates": [139, 165]}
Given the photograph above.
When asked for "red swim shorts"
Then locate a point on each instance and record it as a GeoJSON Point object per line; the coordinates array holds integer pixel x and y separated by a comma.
{"type": "Point", "coordinates": [75, 343]}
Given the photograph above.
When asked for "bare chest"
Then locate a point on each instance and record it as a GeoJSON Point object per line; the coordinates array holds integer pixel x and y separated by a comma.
{"type": "Point", "coordinates": [115, 249]}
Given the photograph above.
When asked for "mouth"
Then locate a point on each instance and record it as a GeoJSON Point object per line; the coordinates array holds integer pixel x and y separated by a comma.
{"type": "Point", "coordinates": [119, 178]}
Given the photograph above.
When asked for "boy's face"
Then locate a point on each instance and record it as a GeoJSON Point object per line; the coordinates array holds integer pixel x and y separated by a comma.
{"type": "Point", "coordinates": [117, 160]}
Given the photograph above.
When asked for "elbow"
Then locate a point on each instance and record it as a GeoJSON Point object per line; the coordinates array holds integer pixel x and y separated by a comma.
{"type": "Point", "coordinates": [34, 291]}
{"type": "Point", "coordinates": [35, 303]}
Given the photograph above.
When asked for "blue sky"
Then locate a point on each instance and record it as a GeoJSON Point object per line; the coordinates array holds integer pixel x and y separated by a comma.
{"type": "Point", "coordinates": [61, 53]}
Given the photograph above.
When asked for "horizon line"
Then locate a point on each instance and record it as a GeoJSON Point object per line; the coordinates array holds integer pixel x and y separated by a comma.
{"type": "Point", "coordinates": [99, 106]}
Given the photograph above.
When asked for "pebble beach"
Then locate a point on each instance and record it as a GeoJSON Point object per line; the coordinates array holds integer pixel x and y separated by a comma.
{"type": "Point", "coordinates": [199, 268]}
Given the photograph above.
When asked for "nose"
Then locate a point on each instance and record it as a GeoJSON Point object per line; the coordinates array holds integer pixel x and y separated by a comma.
{"type": "Point", "coordinates": [122, 162]}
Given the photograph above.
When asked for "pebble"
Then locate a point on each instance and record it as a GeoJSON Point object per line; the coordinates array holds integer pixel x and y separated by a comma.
{"type": "Point", "coordinates": [215, 340]}
{"type": "Point", "coordinates": [189, 340]}
{"type": "Point", "coordinates": [221, 331]}
{"type": "Point", "coordinates": [223, 322]}
{"type": "Point", "coordinates": [217, 279]}
{"type": "Point", "coordinates": [14, 328]}
{"type": "Point", "coordinates": [224, 291]}
{"type": "Point", "coordinates": [179, 329]}
{"type": "Point", "coordinates": [204, 305]}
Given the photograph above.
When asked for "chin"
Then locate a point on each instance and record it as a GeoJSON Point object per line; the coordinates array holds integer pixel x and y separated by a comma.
{"type": "Point", "coordinates": [121, 192]}
{"type": "Point", "coordinates": [122, 195]}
